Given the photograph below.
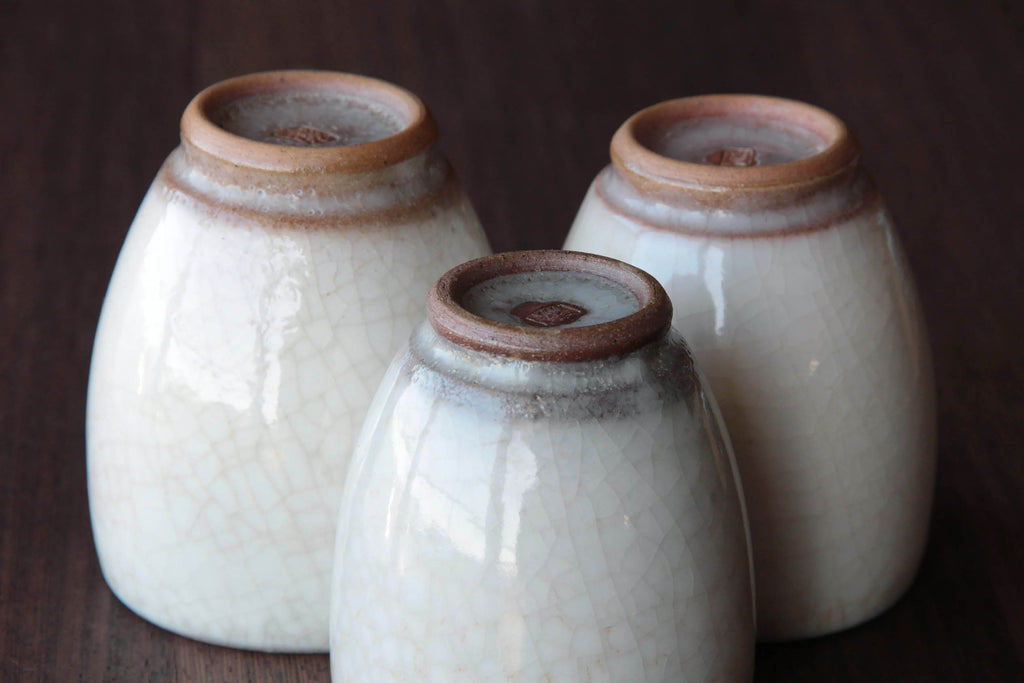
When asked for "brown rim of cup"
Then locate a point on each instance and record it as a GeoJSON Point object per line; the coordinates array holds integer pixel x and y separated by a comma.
{"type": "Point", "coordinates": [418, 128]}
{"type": "Point", "coordinates": [632, 153]}
{"type": "Point", "coordinates": [571, 344]}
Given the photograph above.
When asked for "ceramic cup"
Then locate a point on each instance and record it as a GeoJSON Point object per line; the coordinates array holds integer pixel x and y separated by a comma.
{"type": "Point", "coordinates": [788, 280]}
{"type": "Point", "coordinates": [542, 491]}
{"type": "Point", "coordinates": [278, 261]}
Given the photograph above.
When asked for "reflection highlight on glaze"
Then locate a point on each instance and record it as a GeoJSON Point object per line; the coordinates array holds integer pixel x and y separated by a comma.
{"type": "Point", "coordinates": [714, 275]}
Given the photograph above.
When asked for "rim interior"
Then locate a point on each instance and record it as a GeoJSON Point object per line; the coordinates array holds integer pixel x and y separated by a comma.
{"type": "Point", "coordinates": [615, 337]}
{"type": "Point", "coordinates": [416, 127]}
{"type": "Point", "coordinates": [636, 146]}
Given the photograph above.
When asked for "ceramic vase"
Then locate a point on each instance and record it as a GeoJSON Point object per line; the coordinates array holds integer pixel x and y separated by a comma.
{"type": "Point", "coordinates": [278, 261]}
{"type": "Point", "coordinates": [542, 491]}
{"type": "Point", "coordinates": [789, 281]}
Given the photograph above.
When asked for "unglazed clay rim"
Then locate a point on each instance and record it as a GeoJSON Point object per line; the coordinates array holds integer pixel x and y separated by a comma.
{"type": "Point", "coordinates": [645, 165]}
{"type": "Point", "coordinates": [569, 344]}
{"type": "Point", "coordinates": [417, 133]}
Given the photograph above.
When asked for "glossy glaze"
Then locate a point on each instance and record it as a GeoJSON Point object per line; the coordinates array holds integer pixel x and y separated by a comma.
{"type": "Point", "coordinates": [511, 519]}
{"type": "Point", "coordinates": [789, 282]}
{"type": "Point", "coordinates": [260, 293]}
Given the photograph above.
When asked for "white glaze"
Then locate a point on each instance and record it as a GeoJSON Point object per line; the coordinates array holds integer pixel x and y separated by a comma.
{"type": "Point", "coordinates": [601, 299]}
{"type": "Point", "coordinates": [775, 141]}
{"type": "Point", "coordinates": [234, 362]}
{"type": "Point", "coordinates": [346, 119]}
{"type": "Point", "coordinates": [816, 351]}
{"type": "Point", "coordinates": [538, 521]}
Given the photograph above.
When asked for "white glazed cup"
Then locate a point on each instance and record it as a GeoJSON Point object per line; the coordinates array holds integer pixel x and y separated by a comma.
{"type": "Point", "coordinates": [543, 491]}
{"type": "Point", "coordinates": [789, 282]}
{"type": "Point", "coordinates": [278, 261]}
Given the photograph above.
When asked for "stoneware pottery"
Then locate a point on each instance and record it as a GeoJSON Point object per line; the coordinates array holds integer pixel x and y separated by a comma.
{"type": "Point", "coordinates": [788, 280]}
{"type": "Point", "coordinates": [280, 258]}
{"type": "Point", "coordinates": [542, 491]}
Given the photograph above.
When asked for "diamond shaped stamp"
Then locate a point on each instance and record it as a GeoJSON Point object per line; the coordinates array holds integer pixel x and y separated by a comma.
{"type": "Point", "coordinates": [549, 313]}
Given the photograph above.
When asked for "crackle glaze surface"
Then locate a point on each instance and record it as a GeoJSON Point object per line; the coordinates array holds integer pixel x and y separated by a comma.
{"type": "Point", "coordinates": [237, 352]}
{"type": "Point", "coordinates": [540, 521]}
{"type": "Point", "coordinates": [810, 334]}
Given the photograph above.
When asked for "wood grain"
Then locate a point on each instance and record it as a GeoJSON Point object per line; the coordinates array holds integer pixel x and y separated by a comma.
{"type": "Point", "coordinates": [527, 94]}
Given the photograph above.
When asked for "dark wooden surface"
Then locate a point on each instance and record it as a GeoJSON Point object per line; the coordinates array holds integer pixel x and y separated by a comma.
{"type": "Point", "coordinates": [528, 94]}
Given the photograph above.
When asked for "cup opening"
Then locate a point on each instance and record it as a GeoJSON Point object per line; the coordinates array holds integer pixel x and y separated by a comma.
{"type": "Point", "coordinates": [308, 118]}
{"type": "Point", "coordinates": [734, 141]}
{"type": "Point", "coordinates": [731, 140]}
{"type": "Point", "coordinates": [295, 121]}
{"type": "Point", "coordinates": [550, 299]}
{"type": "Point", "coordinates": [549, 305]}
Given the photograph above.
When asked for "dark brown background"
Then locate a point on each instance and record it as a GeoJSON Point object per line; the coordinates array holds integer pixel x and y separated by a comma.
{"type": "Point", "coordinates": [528, 94]}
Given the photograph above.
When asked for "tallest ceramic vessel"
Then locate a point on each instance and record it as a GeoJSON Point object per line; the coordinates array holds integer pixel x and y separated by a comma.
{"type": "Point", "coordinates": [788, 280]}
{"type": "Point", "coordinates": [281, 256]}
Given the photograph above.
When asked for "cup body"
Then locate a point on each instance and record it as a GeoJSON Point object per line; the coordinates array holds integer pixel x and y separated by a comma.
{"type": "Point", "coordinates": [279, 259]}
{"type": "Point", "coordinates": [790, 284]}
{"type": "Point", "coordinates": [519, 512]}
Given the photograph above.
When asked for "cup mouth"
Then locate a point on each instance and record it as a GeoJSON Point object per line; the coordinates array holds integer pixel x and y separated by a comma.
{"type": "Point", "coordinates": [453, 321]}
{"type": "Point", "coordinates": [807, 144]}
{"type": "Point", "coordinates": [403, 125]}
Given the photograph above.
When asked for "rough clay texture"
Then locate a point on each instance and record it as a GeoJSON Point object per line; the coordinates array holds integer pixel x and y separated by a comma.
{"type": "Point", "coordinates": [234, 362]}
{"type": "Point", "coordinates": [815, 348]}
{"type": "Point", "coordinates": [477, 543]}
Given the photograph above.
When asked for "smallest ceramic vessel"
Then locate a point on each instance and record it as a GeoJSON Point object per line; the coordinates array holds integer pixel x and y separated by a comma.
{"type": "Point", "coordinates": [543, 491]}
